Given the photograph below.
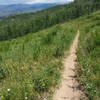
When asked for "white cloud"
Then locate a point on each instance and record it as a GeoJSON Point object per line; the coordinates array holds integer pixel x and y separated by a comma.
{"type": "Point", "coordinates": [47, 1]}
{"type": "Point", "coordinates": [32, 1]}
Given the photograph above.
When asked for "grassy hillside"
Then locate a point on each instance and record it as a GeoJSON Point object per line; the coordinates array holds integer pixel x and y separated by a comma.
{"type": "Point", "coordinates": [89, 55]}
{"type": "Point", "coordinates": [30, 66]}
{"type": "Point", "coordinates": [23, 24]}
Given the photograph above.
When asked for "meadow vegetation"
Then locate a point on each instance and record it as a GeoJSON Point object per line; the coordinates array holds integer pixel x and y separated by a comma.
{"type": "Point", "coordinates": [30, 66]}
{"type": "Point", "coordinates": [88, 53]}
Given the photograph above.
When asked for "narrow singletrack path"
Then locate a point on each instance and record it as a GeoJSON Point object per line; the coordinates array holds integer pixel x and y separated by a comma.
{"type": "Point", "coordinates": [68, 90]}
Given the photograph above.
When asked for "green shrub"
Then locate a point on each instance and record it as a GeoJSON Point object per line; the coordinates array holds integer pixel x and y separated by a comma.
{"type": "Point", "coordinates": [0, 58]}
{"type": "Point", "coordinates": [3, 73]}
{"type": "Point", "coordinates": [89, 57]}
{"type": "Point", "coordinates": [59, 51]}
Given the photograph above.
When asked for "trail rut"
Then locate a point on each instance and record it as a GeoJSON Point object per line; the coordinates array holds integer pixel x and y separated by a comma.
{"type": "Point", "coordinates": [68, 89]}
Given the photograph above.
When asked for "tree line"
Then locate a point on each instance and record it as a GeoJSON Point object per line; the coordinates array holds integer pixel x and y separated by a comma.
{"type": "Point", "coordinates": [19, 25]}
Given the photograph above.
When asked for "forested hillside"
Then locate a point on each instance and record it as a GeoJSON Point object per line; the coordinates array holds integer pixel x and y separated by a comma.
{"type": "Point", "coordinates": [20, 25]}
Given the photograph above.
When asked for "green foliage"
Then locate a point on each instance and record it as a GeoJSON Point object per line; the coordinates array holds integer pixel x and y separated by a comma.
{"type": "Point", "coordinates": [0, 58]}
{"type": "Point", "coordinates": [32, 68]}
{"type": "Point", "coordinates": [59, 51]}
{"type": "Point", "coordinates": [89, 55]}
{"type": "Point", "coordinates": [19, 25]}
{"type": "Point", "coordinates": [3, 73]}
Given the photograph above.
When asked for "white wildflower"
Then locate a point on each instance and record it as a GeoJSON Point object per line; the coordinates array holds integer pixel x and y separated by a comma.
{"type": "Point", "coordinates": [8, 90]}
{"type": "Point", "coordinates": [26, 98]}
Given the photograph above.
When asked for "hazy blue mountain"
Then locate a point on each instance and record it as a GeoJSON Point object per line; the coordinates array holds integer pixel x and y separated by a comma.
{"type": "Point", "coordinates": [6, 10]}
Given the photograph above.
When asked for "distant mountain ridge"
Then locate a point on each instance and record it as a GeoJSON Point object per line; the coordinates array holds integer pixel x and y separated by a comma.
{"type": "Point", "coordinates": [6, 10]}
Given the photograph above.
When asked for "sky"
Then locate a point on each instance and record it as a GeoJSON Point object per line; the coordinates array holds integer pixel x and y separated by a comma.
{"type": "Point", "coordinates": [31, 1]}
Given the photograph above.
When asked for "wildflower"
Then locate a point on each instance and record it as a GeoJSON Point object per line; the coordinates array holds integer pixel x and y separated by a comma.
{"type": "Point", "coordinates": [8, 90]}
{"type": "Point", "coordinates": [35, 63]}
{"type": "Point", "coordinates": [26, 98]}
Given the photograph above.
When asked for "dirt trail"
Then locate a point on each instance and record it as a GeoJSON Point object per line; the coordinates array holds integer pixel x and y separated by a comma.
{"type": "Point", "coordinates": [69, 86]}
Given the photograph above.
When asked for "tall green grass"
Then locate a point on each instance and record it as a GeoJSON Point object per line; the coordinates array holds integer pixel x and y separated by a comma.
{"type": "Point", "coordinates": [30, 66]}
{"type": "Point", "coordinates": [89, 55]}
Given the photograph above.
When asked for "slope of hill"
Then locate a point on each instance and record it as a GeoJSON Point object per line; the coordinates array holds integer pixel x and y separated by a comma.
{"type": "Point", "coordinates": [6, 10]}
{"type": "Point", "coordinates": [30, 66]}
{"type": "Point", "coordinates": [33, 22]}
{"type": "Point", "coordinates": [89, 55]}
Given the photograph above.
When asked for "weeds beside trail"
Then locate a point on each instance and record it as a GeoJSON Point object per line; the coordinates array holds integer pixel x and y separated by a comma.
{"type": "Point", "coordinates": [30, 66]}
{"type": "Point", "coordinates": [89, 55]}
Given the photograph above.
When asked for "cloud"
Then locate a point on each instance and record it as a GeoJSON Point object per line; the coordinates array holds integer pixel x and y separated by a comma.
{"type": "Point", "coordinates": [47, 1]}
{"type": "Point", "coordinates": [31, 1]}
